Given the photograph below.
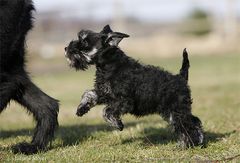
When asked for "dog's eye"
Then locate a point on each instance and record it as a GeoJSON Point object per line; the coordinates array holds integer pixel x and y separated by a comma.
{"type": "Point", "coordinates": [85, 43]}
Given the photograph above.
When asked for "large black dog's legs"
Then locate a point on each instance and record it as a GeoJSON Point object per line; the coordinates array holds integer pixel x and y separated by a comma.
{"type": "Point", "coordinates": [188, 129]}
{"type": "Point", "coordinates": [89, 100]}
{"type": "Point", "coordinates": [6, 92]}
{"type": "Point", "coordinates": [44, 110]}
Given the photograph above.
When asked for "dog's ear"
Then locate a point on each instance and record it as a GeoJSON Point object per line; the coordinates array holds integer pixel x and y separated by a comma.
{"type": "Point", "coordinates": [106, 30]}
{"type": "Point", "coordinates": [114, 38]}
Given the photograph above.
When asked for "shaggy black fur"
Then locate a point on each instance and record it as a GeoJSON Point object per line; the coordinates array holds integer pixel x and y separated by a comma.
{"type": "Point", "coordinates": [15, 83]}
{"type": "Point", "coordinates": [126, 86]}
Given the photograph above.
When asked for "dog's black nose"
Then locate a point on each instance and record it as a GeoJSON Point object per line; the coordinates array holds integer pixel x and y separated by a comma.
{"type": "Point", "coordinates": [65, 48]}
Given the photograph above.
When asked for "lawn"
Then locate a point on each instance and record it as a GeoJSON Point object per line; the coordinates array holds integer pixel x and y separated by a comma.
{"type": "Point", "coordinates": [215, 84]}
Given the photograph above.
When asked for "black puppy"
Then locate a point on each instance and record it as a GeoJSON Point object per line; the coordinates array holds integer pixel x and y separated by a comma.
{"type": "Point", "coordinates": [126, 86]}
{"type": "Point", "coordinates": [15, 83]}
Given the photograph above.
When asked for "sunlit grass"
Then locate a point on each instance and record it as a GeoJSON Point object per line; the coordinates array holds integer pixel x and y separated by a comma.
{"type": "Point", "coordinates": [215, 83]}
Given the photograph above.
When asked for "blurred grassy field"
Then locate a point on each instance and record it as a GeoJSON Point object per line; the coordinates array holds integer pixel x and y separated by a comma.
{"type": "Point", "coordinates": [215, 83]}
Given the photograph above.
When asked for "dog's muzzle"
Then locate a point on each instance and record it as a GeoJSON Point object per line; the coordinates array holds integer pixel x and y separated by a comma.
{"type": "Point", "coordinates": [77, 61]}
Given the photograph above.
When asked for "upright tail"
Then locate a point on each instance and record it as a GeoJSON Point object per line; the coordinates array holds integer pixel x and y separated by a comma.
{"type": "Point", "coordinates": [185, 65]}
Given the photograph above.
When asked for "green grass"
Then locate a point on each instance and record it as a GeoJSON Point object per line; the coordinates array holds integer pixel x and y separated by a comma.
{"type": "Point", "coordinates": [215, 83]}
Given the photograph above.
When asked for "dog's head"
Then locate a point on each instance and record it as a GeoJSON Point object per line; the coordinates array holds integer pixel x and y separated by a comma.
{"type": "Point", "coordinates": [81, 52]}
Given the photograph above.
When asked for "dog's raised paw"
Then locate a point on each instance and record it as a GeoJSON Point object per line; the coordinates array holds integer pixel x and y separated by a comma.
{"type": "Point", "coordinates": [82, 109]}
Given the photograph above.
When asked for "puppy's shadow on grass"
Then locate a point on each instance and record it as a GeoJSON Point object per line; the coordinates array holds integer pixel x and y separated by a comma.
{"type": "Point", "coordinates": [156, 136]}
{"type": "Point", "coordinates": [152, 136]}
{"type": "Point", "coordinates": [75, 134]}
{"type": "Point", "coordinates": [211, 137]}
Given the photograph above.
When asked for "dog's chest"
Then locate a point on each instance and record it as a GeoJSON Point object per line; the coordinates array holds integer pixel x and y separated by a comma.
{"type": "Point", "coordinates": [105, 88]}
{"type": "Point", "coordinates": [102, 84]}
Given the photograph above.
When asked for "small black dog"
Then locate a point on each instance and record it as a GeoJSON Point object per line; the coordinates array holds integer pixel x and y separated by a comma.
{"type": "Point", "coordinates": [15, 83]}
{"type": "Point", "coordinates": [126, 86]}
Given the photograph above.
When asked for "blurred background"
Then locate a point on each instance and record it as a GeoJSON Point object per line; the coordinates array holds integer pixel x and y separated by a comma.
{"type": "Point", "coordinates": [158, 28]}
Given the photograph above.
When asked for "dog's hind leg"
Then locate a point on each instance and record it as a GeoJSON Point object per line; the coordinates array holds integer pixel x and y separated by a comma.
{"type": "Point", "coordinates": [89, 100]}
{"type": "Point", "coordinates": [188, 129]}
{"type": "Point", "coordinates": [44, 110]}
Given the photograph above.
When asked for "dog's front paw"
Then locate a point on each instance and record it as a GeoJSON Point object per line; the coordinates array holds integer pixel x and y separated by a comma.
{"type": "Point", "coordinates": [82, 109]}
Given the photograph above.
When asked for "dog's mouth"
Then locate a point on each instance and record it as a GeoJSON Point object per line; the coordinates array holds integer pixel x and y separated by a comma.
{"type": "Point", "coordinates": [68, 60]}
{"type": "Point", "coordinates": [76, 60]}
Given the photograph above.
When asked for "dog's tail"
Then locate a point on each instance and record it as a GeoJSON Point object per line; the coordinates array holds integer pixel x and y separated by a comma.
{"type": "Point", "coordinates": [185, 65]}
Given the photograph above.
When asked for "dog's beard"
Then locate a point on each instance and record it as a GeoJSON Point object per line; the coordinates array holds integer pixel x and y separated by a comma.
{"type": "Point", "coordinates": [77, 61]}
